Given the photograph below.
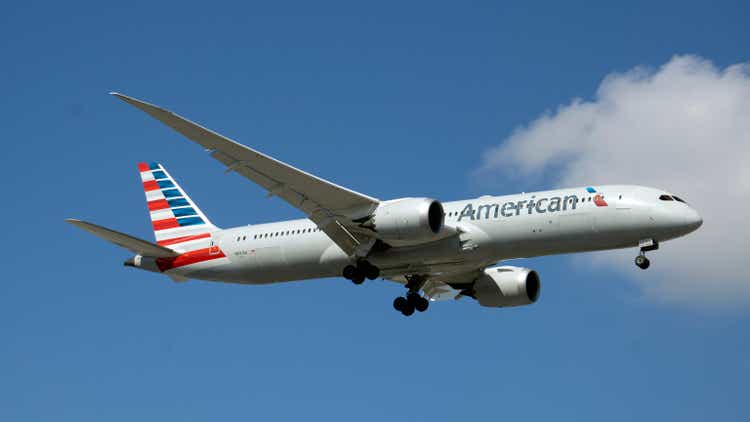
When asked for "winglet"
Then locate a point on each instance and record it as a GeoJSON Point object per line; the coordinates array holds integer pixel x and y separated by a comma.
{"type": "Point", "coordinates": [147, 107]}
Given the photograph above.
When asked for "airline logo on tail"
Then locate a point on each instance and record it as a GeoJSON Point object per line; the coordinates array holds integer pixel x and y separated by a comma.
{"type": "Point", "coordinates": [177, 221]}
{"type": "Point", "coordinates": [174, 216]}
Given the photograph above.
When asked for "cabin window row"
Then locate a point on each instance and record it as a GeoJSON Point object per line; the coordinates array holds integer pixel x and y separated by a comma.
{"type": "Point", "coordinates": [279, 233]}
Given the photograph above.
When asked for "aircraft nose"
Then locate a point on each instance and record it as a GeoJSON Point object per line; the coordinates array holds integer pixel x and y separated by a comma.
{"type": "Point", "coordinates": [693, 220]}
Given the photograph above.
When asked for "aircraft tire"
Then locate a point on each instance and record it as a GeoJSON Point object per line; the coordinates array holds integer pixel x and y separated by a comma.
{"type": "Point", "coordinates": [349, 272]}
{"type": "Point", "coordinates": [408, 309]}
{"type": "Point", "coordinates": [399, 303]}
{"type": "Point", "coordinates": [358, 278]}
{"type": "Point", "coordinates": [371, 272]}
{"type": "Point", "coordinates": [642, 262]}
{"type": "Point", "coordinates": [421, 304]}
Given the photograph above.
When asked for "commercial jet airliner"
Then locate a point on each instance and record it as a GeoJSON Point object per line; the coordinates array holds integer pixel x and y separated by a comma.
{"type": "Point", "coordinates": [437, 250]}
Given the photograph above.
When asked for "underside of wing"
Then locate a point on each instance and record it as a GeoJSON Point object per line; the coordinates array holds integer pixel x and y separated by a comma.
{"type": "Point", "coordinates": [330, 206]}
{"type": "Point", "coordinates": [443, 281]}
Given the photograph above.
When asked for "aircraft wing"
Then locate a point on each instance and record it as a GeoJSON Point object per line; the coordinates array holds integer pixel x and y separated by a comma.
{"type": "Point", "coordinates": [330, 206]}
{"type": "Point", "coordinates": [133, 244]}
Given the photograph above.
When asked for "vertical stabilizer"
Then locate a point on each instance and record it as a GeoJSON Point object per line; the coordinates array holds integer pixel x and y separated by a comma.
{"type": "Point", "coordinates": [178, 223]}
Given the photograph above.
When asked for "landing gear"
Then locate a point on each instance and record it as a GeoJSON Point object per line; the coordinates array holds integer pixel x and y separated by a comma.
{"type": "Point", "coordinates": [646, 245]}
{"type": "Point", "coordinates": [421, 304]}
{"type": "Point", "coordinates": [363, 270]}
{"type": "Point", "coordinates": [354, 274]}
{"type": "Point", "coordinates": [642, 262]}
{"type": "Point", "coordinates": [413, 301]}
{"type": "Point", "coordinates": [371, 272]}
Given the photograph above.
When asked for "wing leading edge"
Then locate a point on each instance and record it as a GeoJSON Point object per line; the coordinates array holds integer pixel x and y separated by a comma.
{"type": "Point", "coordinates": [330, 206]}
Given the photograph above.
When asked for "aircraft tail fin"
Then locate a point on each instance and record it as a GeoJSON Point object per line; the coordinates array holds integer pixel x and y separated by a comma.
{"type": "Point", "coordinates": [177, 221]}
{"type": "Point", "coordinates": [133, 244]}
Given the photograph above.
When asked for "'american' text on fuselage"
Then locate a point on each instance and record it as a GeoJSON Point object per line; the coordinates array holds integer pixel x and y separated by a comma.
{"type": "Point", "coordinates": [509, 209]}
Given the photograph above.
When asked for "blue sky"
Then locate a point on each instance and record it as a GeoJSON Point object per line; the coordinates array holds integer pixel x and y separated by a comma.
{"type": "Point", "coordinates": [390, 99]}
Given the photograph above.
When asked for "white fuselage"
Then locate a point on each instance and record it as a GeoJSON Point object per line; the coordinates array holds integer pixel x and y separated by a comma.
{"type": "Point", "coordinates": [485, 230]}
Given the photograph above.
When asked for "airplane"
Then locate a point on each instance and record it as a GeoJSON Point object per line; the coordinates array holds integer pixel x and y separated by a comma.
{"type": "Point", "coordinates": [437, 250]}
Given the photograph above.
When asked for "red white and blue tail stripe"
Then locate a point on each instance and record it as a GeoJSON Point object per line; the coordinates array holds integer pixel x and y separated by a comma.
{"type": "Point", "coordinates": [178, 223]}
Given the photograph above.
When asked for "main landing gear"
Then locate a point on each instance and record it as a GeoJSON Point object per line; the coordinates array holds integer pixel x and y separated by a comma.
{"type": "Point", "coordinates": [646, 245]}
{"type": "Point", "coordinates": [363, 270]}
{"type": "Point", "coordinates": [413, 301]}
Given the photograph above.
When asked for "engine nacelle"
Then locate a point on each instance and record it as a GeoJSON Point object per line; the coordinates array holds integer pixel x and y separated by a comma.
{"type": "Point", "coordinates": [409, 219]}
{"type": "Point", "coordinates": [507, 286]}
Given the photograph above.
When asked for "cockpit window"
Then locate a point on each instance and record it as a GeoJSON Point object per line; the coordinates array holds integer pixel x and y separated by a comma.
{"type": "Point", "coordinates": [678, 199]}
{"type": "Point", "coordinates": [666, 198]}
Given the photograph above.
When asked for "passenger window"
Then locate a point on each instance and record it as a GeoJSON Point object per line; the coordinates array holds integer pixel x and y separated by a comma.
{"type": "Point", "coordinates": [665, 198]}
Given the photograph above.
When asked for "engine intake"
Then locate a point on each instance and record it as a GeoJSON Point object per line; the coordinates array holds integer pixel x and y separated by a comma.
{"type": "Point", "coordinates": [507, 286]}
{"type": "Point", "coordinates": [408, 219]}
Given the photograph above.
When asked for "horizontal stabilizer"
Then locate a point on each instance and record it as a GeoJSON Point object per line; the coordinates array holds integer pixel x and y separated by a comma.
{"type": "Point", "coordinates": [133, 244]}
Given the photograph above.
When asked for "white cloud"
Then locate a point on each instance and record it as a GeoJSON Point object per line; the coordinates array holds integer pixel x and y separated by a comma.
{"type": "Point", "coordinates": [685, 128]}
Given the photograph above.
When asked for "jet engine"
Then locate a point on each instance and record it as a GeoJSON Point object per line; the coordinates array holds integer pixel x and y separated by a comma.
{"type": "Point", "coordinates": [408, 219]}
{"type": "Point", "coordinates": [507, 286]}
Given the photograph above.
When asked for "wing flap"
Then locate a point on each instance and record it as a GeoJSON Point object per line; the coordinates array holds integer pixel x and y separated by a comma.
{"type": "Point", "coordinates": [133, 244]}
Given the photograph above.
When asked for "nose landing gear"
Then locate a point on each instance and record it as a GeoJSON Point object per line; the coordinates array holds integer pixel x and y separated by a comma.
{"type": "Point", "coordinates": [646, 245]}
{"type": "Point", "coordinates": [642, 262]}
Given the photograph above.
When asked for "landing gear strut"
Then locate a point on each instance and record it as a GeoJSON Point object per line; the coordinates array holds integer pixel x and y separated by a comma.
{"type": "Point", "coordinates": [646, 245]}
{"type": "Point", "coordinates": [413, 301]}
{"type": "Point", "coordinates": [363, 270]}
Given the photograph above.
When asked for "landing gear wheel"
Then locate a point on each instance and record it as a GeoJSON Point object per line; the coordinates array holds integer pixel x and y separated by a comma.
{"type": "Point", "coordinates": [358, 278]}
{"type": "Point", "coordinates": [421, 304]}
{"type": "Point", "coordinates": [349, 272]}
{"type": "Point", "coordinates": [354, 274]}
{"type": "Point", "coordinates": [642, 262]}
{"type": "Point", "coordinates": [371, 272]}
{"type": "Point", "coordinates": [408, 308]}
{"type": "Point", "coordinates": [399, 303]}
